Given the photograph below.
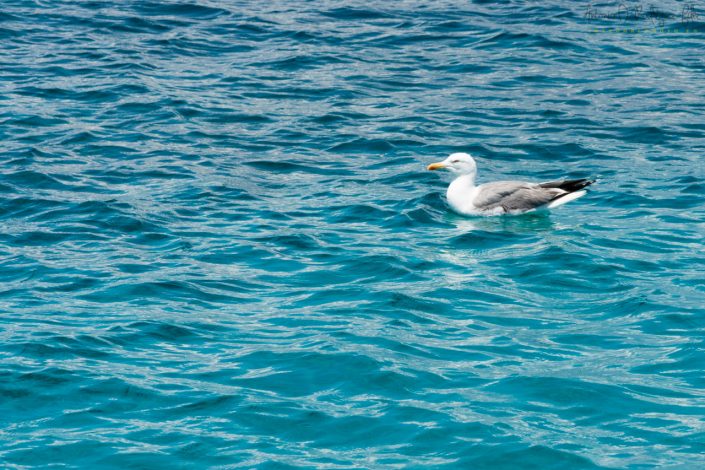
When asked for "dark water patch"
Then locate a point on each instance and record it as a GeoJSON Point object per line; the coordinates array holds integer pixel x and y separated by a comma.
{"type": "Point", "coordinates": [370, 267]}
{"type": "Point", "coordinates": [646, 135]}
{"type": "Point", "coordinates": [151, 292]}
{"type": "Point", "coordinates": [362, 145]}
{"type": "Point", "coordinates": [300, 62]}
{"type": "Point", "coordinates": [185, 9]}
{"type": "Point", "coordinates": [481, 240]}
{"type": "Point", "coordinates": [160, 331]}
{"type": "Point", "coordinates": [239, 118]}
{"type": "Point", "coordinates": [361, 213]}
{"type": "Point", "coordinates": [97, 95]}
{"type": "Point", "coordinates": [542, 456]}
{"type": "Point", "coordinates": [283, 166]}
{"type": "Point", "coordinates": [338, 116]}
{"type": "Point", "coordinates": [140, 25]}
{"type": "Point", "coordinates": [35, 121]}
{"type": "Point", "coordinates": [302, 93]}
{"type": "Point", "coordinates": [350, 13]}
{"type": "Point", "coordinates": [510, 39]}
{"type": "Point", "coordinates": [57, 350]}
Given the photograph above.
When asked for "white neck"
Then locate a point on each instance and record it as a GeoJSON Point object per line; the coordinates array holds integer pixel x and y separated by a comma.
{"type": "Point", "coordinates": [465, 180]}
{"type": "Point", "coordinates": [460, 192]}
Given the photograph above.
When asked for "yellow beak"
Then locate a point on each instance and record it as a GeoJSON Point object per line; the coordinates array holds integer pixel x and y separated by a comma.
{"type": "Point", "coordinates": [436, 166]}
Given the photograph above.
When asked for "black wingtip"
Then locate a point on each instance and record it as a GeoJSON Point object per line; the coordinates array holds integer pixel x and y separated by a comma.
{"type": "Point", "coordinates": [570, 185]}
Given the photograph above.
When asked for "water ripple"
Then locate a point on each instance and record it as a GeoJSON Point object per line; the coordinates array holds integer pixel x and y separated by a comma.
{"type": "Point", "coordinates": [221, 248]}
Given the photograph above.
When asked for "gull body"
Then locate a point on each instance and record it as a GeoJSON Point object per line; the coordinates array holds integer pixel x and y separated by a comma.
{"type": "Point", "coordinates": [503, 197]}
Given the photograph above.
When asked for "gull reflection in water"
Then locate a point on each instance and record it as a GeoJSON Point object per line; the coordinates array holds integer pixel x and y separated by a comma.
{"type": "Point", "coordinates": [525, 223]}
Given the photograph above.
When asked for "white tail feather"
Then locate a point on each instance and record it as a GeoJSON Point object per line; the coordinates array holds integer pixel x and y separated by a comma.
{"type": "Point", "coordinates": [567, 198]}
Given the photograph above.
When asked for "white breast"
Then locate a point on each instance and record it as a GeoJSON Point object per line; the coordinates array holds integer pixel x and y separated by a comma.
{"type": "Point", "coordinates": [460, 196]}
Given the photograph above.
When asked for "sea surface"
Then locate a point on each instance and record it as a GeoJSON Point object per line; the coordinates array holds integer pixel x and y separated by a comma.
{"type": "Point", "coordinates": [220, 247]}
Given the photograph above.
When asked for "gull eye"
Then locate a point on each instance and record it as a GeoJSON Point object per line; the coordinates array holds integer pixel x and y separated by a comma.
{"type": "Point", "coordinates": [455, 161]}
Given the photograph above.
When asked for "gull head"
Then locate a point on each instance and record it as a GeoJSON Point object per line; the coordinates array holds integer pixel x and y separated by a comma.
{"type": "Point", "coordinates": [459, 163]}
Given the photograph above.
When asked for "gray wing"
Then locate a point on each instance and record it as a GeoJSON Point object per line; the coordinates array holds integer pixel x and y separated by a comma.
{"type": "Point", "coordinates": [514, 196]}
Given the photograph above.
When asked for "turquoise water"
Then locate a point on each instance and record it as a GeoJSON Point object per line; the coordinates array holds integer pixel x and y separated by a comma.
{"type": "Point", "coordinates": [220, 246]}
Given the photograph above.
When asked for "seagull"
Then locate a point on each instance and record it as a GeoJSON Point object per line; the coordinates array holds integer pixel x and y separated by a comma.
{"type": "Point", "coordinates": [503, 197]}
